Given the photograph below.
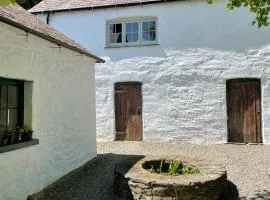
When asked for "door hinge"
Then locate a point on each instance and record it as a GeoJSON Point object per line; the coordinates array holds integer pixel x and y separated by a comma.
{"type": "Point", "coordinates": [120, 91]}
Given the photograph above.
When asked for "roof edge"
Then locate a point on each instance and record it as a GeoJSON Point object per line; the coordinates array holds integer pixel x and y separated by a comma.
{"type": "Point", "coordinates": [106, 6]}
{"type": "Point", "coordinates": [51, 39]}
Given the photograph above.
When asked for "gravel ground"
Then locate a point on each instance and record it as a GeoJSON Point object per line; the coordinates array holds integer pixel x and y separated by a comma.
{"type": "Point", "coordinates": [248, 169]}
{"type": "Point", "coordinates": [248, 166]}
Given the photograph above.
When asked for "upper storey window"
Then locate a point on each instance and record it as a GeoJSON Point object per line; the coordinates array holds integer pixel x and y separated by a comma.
{"type": "Point", "coordinates": [131, 32]}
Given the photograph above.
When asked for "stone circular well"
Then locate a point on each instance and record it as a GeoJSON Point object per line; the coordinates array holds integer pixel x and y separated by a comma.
{"type": "Point", "coordinates": [132, 181]}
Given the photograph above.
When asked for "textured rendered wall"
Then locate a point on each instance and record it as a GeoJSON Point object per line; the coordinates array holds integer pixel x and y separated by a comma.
{"type": "Point", "coordinates": [184, 94]}
{"type": "Point", "coordinates": [63, 112]}
{"type": "Point", "coordinates": [184, 77]}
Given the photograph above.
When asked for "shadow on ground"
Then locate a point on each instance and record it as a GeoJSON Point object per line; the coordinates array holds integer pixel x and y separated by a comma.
{"type": "Point", "coordinates": [258, 195]}
{"type": "Point", "coordinates": [94, 181]}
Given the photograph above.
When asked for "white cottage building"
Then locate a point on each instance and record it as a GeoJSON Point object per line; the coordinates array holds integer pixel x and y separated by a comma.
{"type": "Point", "coordinates": [175, 70]}
{"type": "Point", "coordinates": [46, 83]}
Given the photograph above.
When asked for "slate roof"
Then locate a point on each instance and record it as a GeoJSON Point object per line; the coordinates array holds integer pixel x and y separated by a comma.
{"type": "Point", "coordinates": [17, 16]}
{"type": "Point", "coordinates": [65, 5]}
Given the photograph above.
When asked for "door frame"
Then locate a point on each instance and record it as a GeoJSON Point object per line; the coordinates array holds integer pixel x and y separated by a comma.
{"type": "Point", "coordinates": [114, 110]}
{"type": "Point", "coordinates": [237, 80]}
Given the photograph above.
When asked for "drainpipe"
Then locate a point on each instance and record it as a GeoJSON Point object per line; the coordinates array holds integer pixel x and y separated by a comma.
{"type": "Point", "coordinates": [48, 18]}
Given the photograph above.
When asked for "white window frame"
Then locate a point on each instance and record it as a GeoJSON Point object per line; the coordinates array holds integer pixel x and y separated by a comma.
{"type": "Point", "coordinates": [107, 34]}
{"type": "Point", "coordinates": [124, 21]}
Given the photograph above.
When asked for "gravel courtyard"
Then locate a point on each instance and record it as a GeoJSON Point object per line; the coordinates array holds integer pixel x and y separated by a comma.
{"type": "Point", "coordinates": [248, 169]}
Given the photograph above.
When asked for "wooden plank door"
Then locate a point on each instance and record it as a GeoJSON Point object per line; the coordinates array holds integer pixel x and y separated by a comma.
{"type": "Point", "coordinates": [244, 111]}
{"type": "Point", "coordinates": [128, 111]}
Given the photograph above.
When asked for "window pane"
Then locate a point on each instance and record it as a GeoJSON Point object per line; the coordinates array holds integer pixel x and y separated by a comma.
{"type": "Point", "coordinates": [135, 37]}
{"type": "Point", "coordinates": [111, 28]}
{"type": "Point", "coordinates": [135, 27]}
{"type": "Point", "coordinates": [146, 36]}
{"type": "Point", "coordinates": [118, 28]}
{"type": "Point", "coordinates": [149, 30]}
{"type": "Point", "coordinates": [129, 27]}
{"type": "Point", "coordinates": [132, 32]}
{"type": "Point", "coordinates": [3, 119]}
{"type": "Point", "coordinates": [12, 96]}
{"type": "Point", "coordinates": [128, 37]}
{"type": "Point", "coordinates": [115, 38]}
{"type": "Point", "coordinates": [152, 26]}
{"type": "Point", "coordinates": [3, 96]}
{"type": "Point", "coordinates": [152, 36]}
{"type": "Point", "coordinates": [132, 37]}
{"type": "Point", "coordinates": [12, 122]}
{"type": "Point", "coordinates": [149, 36]}
{"type": "Point", "coordinates": [115, 33]}
{"type": "Point", "coordinates": [145, 27]}
{"type": "Point", "coordinates": [132, 27]}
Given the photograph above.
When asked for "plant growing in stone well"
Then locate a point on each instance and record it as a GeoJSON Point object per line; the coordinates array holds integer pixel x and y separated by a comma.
{"type": "Point", "coordinates": [172, 168]}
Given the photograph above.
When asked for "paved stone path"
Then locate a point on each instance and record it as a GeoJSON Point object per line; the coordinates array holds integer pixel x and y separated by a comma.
{"type": "Point", "coordinates": [248, 169]}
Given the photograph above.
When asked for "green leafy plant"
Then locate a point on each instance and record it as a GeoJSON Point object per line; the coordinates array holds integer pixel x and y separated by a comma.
{"type": "Point", "coordinates": [259, 8]}
{"type": "Point", "coordinates": [24, 133]}
{"type": "Point", "coordinates": [156, 168]}
{"type": "Point", "coordinates": [6, 2]}
{"type": "Point", "coordinates": [161, 165]}
{"type": "Point", "coordinates": [175, 166]}
{"type": "Point", "coordinates": [171, 168]}
{"type": "Point", "coordinates": [189, 170]}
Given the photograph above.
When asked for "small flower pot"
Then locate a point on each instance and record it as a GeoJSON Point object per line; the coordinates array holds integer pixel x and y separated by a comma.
{"type": "Point", "coordinates": [12, 139]}
{"type": "Point", "coordinates": [19, 137]}
{"type": "Point", "coordinates": [26, 136]}
{"type": "Point", "coordinates": [5, 141]}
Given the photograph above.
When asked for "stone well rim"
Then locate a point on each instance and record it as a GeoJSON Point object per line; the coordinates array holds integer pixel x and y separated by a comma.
{"type": "Point", "coordinates": [209, 171]}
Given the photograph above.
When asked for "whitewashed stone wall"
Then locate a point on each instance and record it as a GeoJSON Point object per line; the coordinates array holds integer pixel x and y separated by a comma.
{"type": "Point", "coordinates": [184, 94]}
{"type": "Point", "coordinates": [63, 112]}
{"type": "Point", "coordinates": [184, 77]}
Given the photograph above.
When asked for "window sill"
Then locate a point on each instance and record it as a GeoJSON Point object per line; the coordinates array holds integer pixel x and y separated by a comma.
{"type": "Point", "coordinates": [16, 146]}
{"type": "Point", "coordinates": [134, 45]}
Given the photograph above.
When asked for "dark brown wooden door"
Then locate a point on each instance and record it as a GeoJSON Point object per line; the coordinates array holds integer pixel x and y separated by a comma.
{"type": "Point", "coordinates": [128, 111]}
{"type": "Point", "coordinates": [244, 111]}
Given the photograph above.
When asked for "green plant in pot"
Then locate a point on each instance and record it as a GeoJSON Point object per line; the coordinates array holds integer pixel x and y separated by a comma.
{"type": "Point", "coordinates": [19, 133]}
{"type": "Point", "coordinates": [12, 137]}
{"type": "Point", "coordinates": [6, 139]}
{"type": "Point", "coordinates": [9, 137]}
{"type": "Point", "coordinates": [27, 133]}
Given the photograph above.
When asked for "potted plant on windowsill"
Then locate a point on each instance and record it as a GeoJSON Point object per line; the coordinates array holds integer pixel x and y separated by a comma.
{"type": "Point", "coordinates": [12, 137]}
{"type": "Point", "coordinates": [6, 138]}
{"type": "Point", "coordinates": [19, 133]}
{"type": "Point", "coordinates": [24, 133]}
{"type": "Point", "coordinates": [27, 134]}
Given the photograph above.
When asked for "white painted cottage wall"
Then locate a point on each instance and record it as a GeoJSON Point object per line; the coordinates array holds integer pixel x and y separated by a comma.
{"type": "Point", "coordinates": [63, 112]}
{"type": "Point", "coordinates": [184, 77]}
